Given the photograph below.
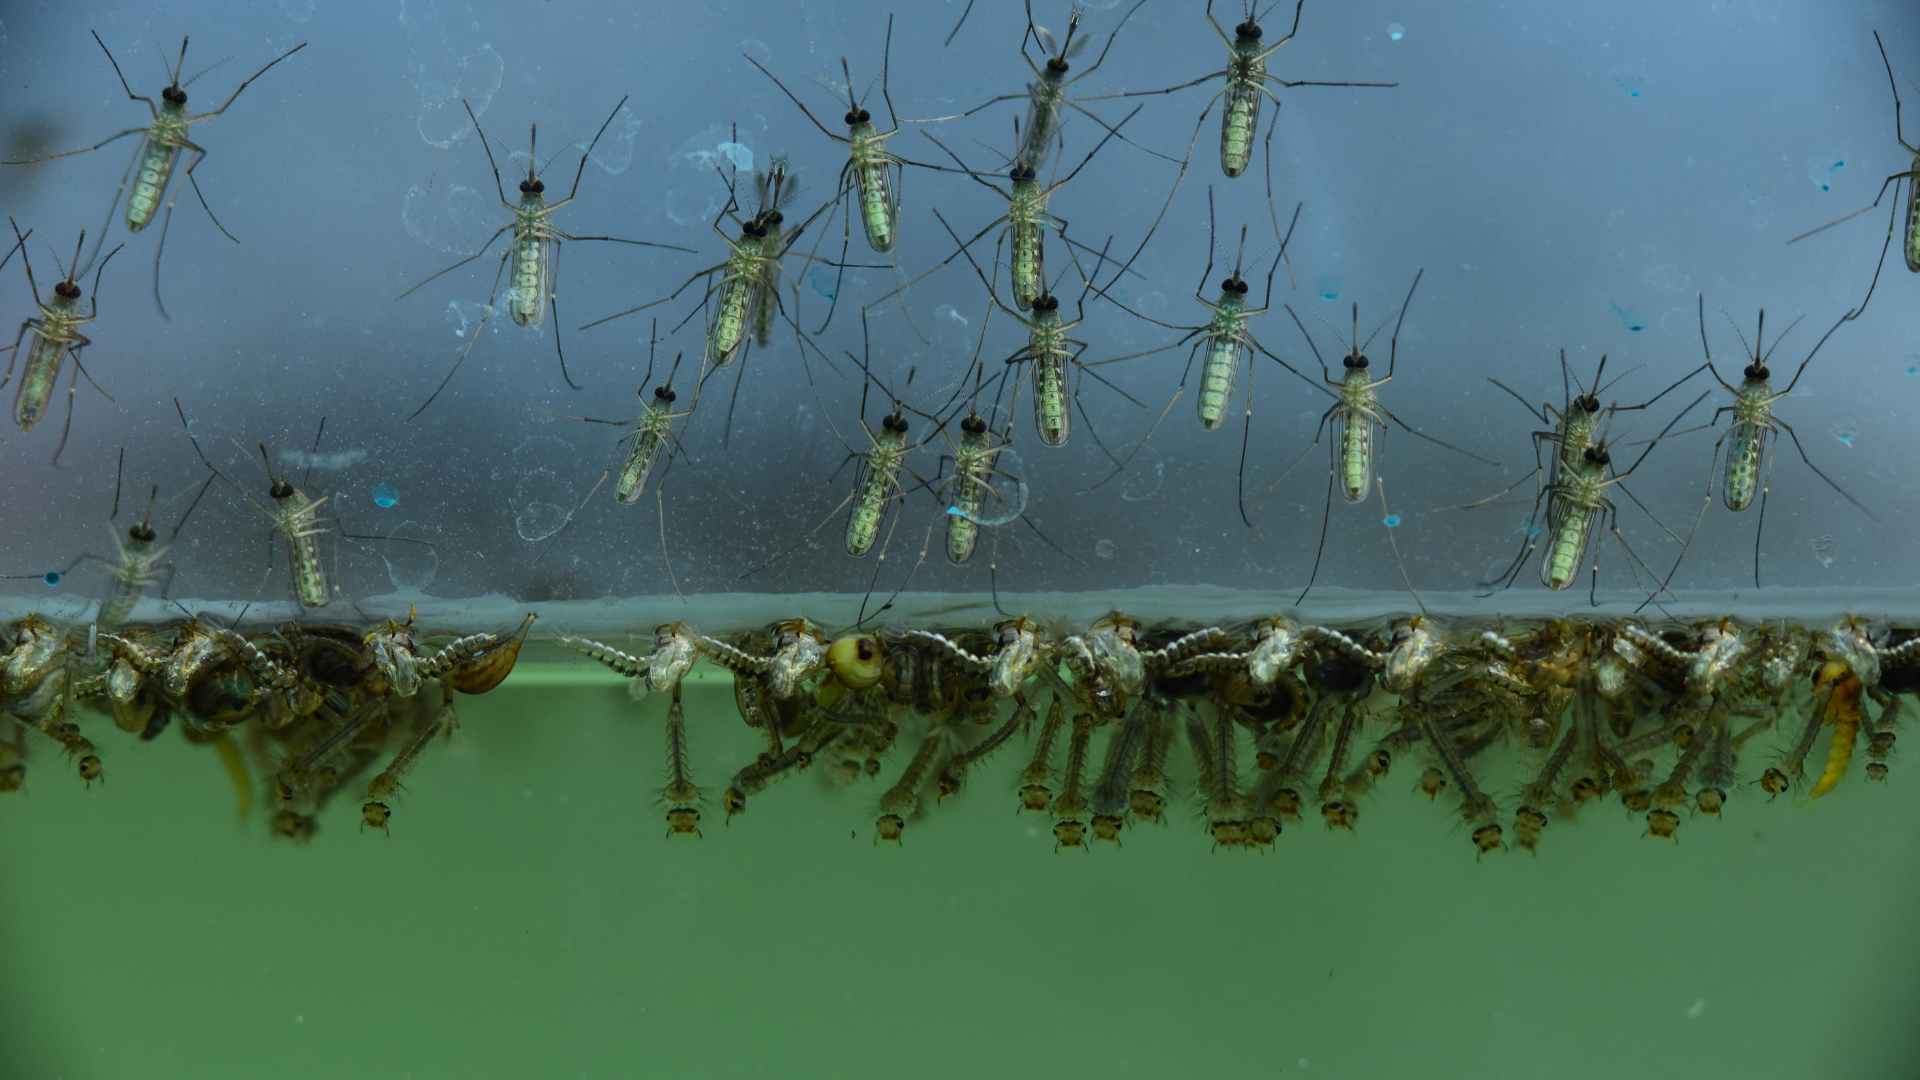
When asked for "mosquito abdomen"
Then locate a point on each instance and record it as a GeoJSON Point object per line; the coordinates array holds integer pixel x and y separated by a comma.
{"type": "Point", "coordinates": [1913, 220]}
{"type": "Point", "coordinates": [37, 381]}
{"type": "Point", "coordinates": [1238, 123]}
{"type": "Point", "coordinates": [1050, 417]}
{"type": "Point", "coordinates": [730, 322]}
{"type": "Point", "coordinates": [1216, 379]}
{"type": "Point", "coordinates": [876, 205]}
{"type": "Point", "coordinates": [1744, 448]}
{"type": "Point", "coordinates": [528, 296]}
{"type": "Point", "coordinates": [150, 180]}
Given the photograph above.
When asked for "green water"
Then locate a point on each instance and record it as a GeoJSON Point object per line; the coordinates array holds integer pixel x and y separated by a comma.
{"type": "Point", "coordinates": [528, 917]}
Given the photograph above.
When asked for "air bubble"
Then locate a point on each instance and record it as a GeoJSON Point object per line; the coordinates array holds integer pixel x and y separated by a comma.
{"type": "Point", "coordinates": [412, 561]}
{"type": "Point", "coordinates": [1104, 548]}
{"type": "Point", "coordinates": [385, 497]}
{"type": "Point", "coordinates": [297, 10]}
{"type": "Point", "coordinates": [739, 153]}
{"type": "Point", "coordinates": [51, 579]}
{"type": "Point", "coordinates": [1395, 31]}
{"type": "Point", "coordinates": [1146, 480]}
{"type": "Point", "coordinates": [1823, 549]}
{"type": "Point", "coordinates": [1845, 431]}
{"type": "Point", "coordinates": [542, 498]}
{"type": "Point", "coordinates": [442, 84]}
{"type": "Point", "coordinates": [465, 315]}
{"type": "Point", "coordinates": [757, 49]}
{"type": "Point", "coordinates": [1391, 521]}
{"type": "Point", "coordinates": [821, 280]}
{"type": "Point", "coordinates": [1328, 289]}
{"type": "Point", "coordinates": [451, 220]}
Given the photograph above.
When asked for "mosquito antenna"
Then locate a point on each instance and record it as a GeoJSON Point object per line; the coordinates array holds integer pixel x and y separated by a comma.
{"type": "Point", "coordinates": [847, 73]}
{"type": "Point", "coordinates": [533, 150]}
{"type": "Point", "coordinates": [190, 508]}
{"type": "Point", "coordinates": [181, 64]}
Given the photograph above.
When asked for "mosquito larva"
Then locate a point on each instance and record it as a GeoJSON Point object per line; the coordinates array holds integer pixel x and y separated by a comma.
{"type": "Point", "coordinates": [902, 800]}
{"type": "Point", "coordinates": [680, 794]}
{"type": "Point", "coordinates": [376, 811]}
{"type": "Point", "coordinates": [1070, 806]}
{"type": "Point", "coordinates": [1147, 794]}
{"type": "Point", "coordinates": [1036, 780]}
{"type": "Point", "coordinates": [954, 775]}
{"type": "Point", "coordinates": [1843, 711]}
{"type": "Point", "coordinates": [1116, 769]}
{"type": "Point", "coordinates": [1673, 790]}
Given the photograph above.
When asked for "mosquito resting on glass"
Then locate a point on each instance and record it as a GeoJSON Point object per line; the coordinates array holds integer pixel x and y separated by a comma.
{"type": "Point", "coordinates": [1046, 96]}
{"type": "Point", "coordinates": [1355, 413]}
{"type": "Point", "coordinates": [1910, 237]}
{"type": "Point", "coordinates": [139, 560]}
{"type": "Point", "coordinates": [56, 337]}
{"type": "Point", "coordinates": [872, 171]}
{"type": "Point", "coordinates": [154, 163]}
{"type": "Point", "coordinates": [1753, 423]}
{"type": "Point", "coordinates": [1573, 427]}
{"type": "Point", "coordinates": [1051, 351]}
{"type": "Point", "coordinates": [1227, 338]}
{"type": "Point", "coordinates": [1022, 228]}
{"type": "Point", "coordinates": [533, 251]}
{"type": "Point", "coordinates": [1246, 83]}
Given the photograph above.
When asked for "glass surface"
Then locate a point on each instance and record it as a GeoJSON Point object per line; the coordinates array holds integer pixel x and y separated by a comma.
{"type": "Point", "coordinates": [1598, 179]}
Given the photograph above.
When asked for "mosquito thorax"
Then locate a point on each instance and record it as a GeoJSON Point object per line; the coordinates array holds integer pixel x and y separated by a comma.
{"type": "Point", "coordinates": [67, 290]}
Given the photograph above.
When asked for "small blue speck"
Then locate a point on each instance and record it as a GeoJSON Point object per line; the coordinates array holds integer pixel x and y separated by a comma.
{"type": "Point", "coordinates": [1329, 295]}
{"type": "Point", "coordinates": [1913, 369]}
{"type": "Point", "coordinates": [1628, 319]}
{"type": "Point", "coordinates": [822, 281]}
{"type": "Point", "coordinates": [384, 496]}
{"type": "Point", "coordinates": [954, 511]}
{"type": "Point", "coordinates": [51, 578]}
{"type": "Point", "coordinates": [1534, 531]}
{"type": "Point", "coordinates": [1395, 31]}
{"type": "Point", "coordinates": [1391, 521]}
{"type": "Point", "coordinates": [1845, 437]}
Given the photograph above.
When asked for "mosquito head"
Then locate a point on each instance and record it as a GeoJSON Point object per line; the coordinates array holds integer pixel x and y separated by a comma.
{"type": "Point", "coordinates": [280, 491]}
{"type": "Point", "coordinates": [532, 186]}
{"type": "Point", "coordinates": [67, 290]}
{"type": "Point", "coordinates": [1056, 65]}
{"type": "Point", "coordinates": [751, 229]}
{"type": "Point", "coordinates": [1757, 371]}
{"type": "Point", "coordinates": [858, 116]}
{"type": "Point", "coordinates": [1022, 173]}
{"type": "Point", "coordinates": [973, 425]}
{"type": "Point", "coordinates": [174, 96]}
{"type": "Point", "coordinates": [895, 423]}
{"type": "Point", "coordinates": [1597, 456]}
{"type": "Point", "coordinates": [664, 395]}
{"type": "Point", "coordinates": [1589, 404]}
{"type": "Point", "coordinates": [773, 217]}
{"type": "Point", "coordinates": [1235, 285]}
{"type": "Point", "coordinates": [1354, 361]}
{"type": "Point", "coordinates": [141, 533]}
{"type": "Point", "coordinates": [1247, 31]}
{"type": "Point", "coordinates": [1046, 302]}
